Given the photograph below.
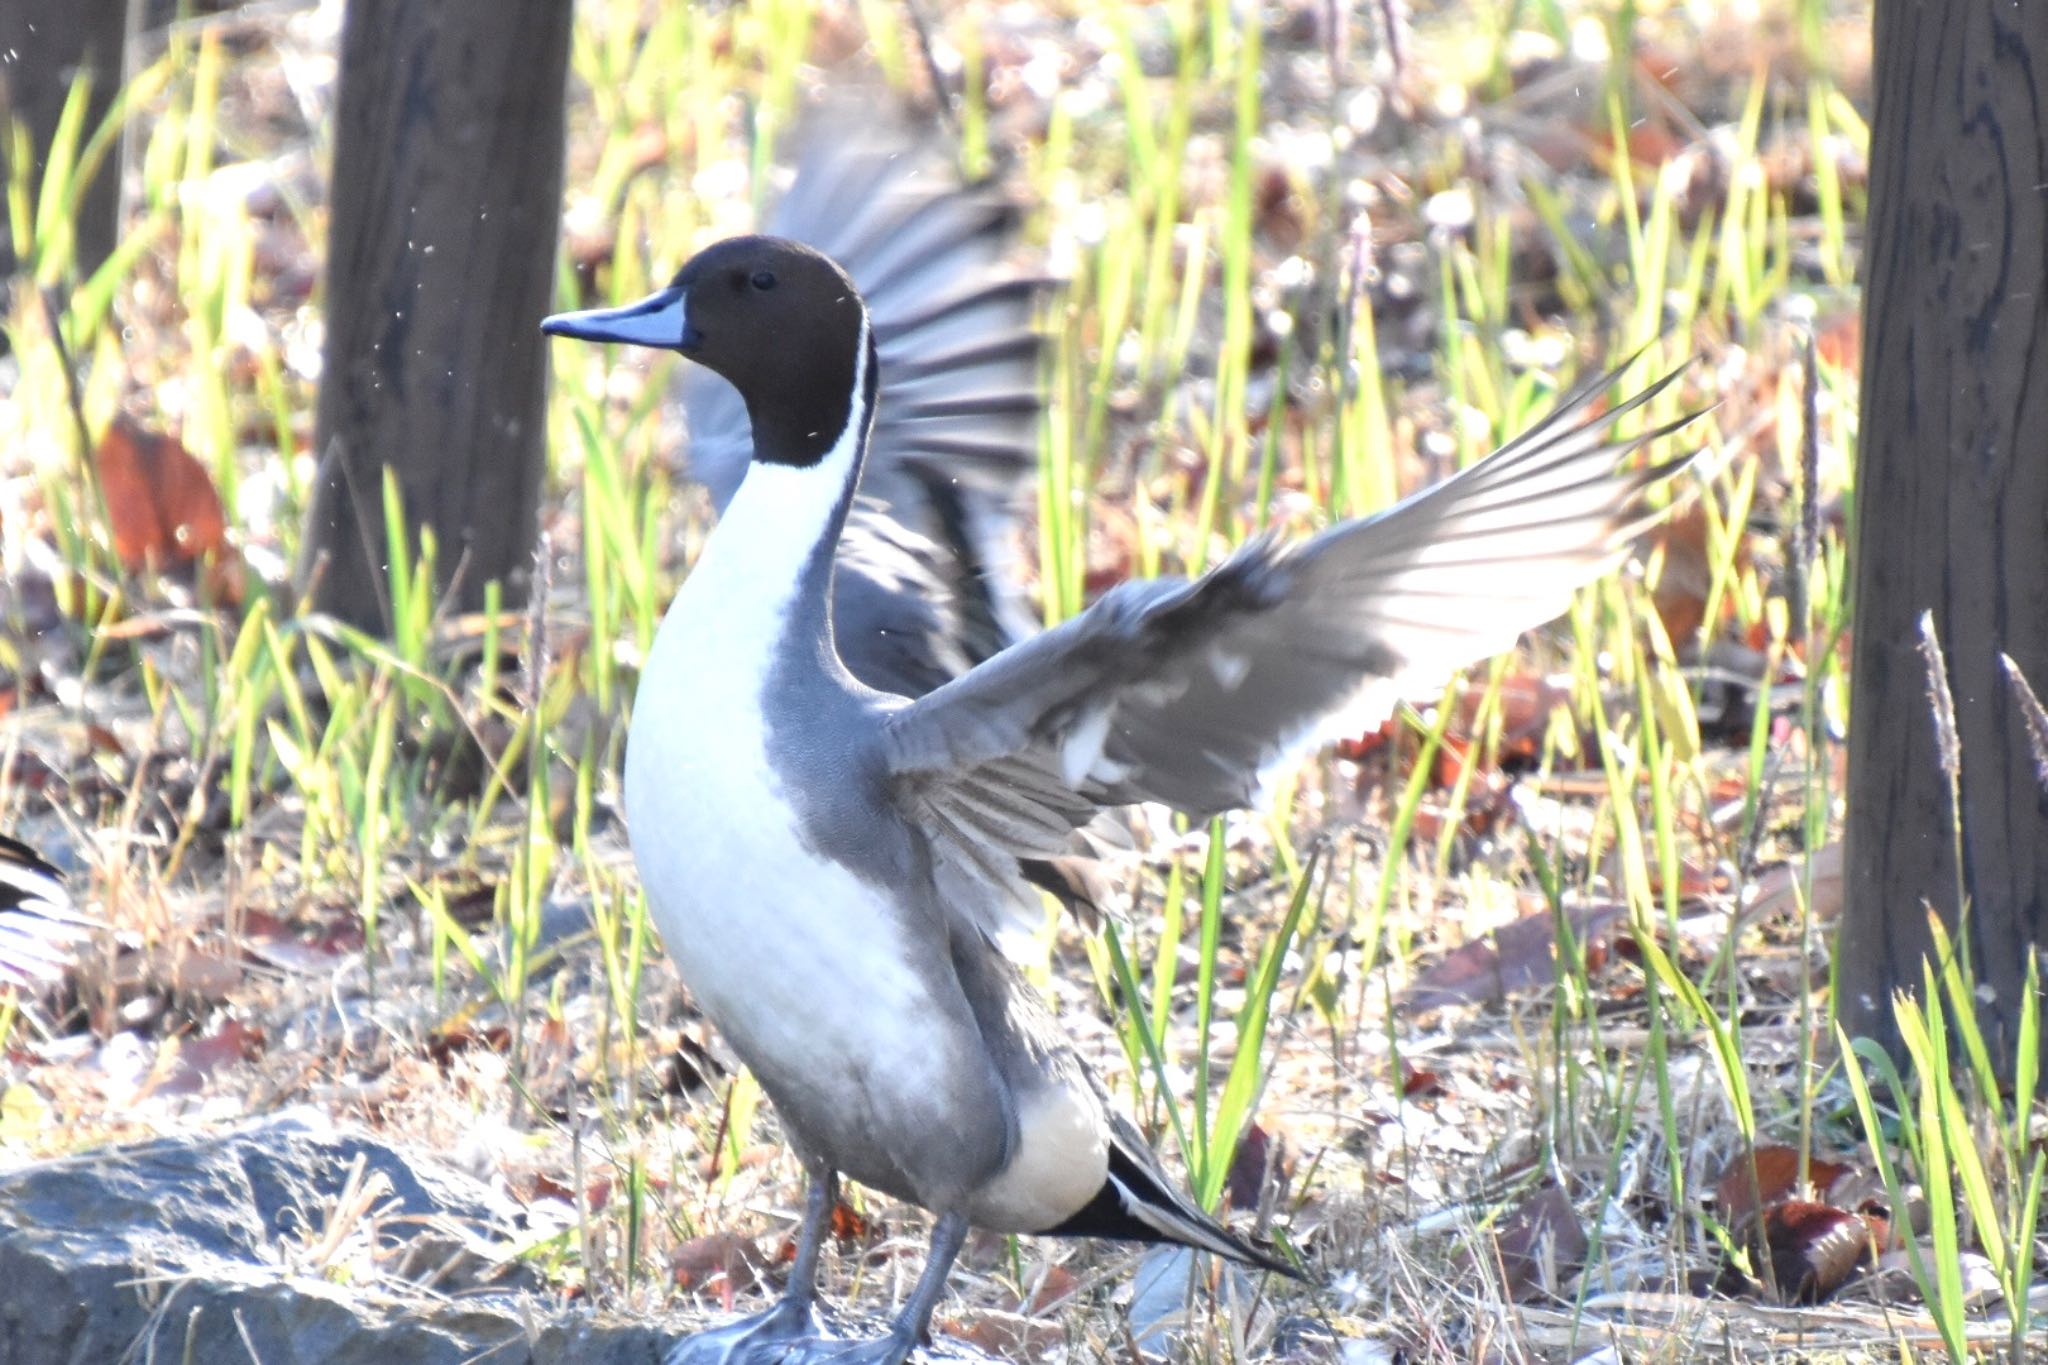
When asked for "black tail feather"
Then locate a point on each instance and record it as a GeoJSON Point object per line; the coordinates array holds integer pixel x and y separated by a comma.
{"type": "Point", "coordinates": [1137, 1204]}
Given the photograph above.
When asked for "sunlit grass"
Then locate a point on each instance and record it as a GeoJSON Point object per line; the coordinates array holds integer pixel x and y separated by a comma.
{"type": "Point", "coordinates": [1161, 440]}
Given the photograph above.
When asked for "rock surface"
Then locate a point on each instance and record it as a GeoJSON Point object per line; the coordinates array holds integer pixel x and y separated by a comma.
{"type": "Point", "coordinates": [288, 1241]}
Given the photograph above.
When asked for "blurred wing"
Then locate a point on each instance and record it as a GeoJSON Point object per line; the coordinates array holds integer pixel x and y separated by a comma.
{"type": "Point", "coordinates": [40, 931]}
{"type": "Point", "coordinates": [897, 613]}
{"type": "Point", "coordinates": [1188, 693]}
{"type": "Point", "coordinates": [955, 447]}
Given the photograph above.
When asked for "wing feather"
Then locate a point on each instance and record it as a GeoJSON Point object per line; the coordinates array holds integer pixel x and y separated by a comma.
{"type": "Point", "coordinates": [1192, 693]}
{"type": "Point", "coordinates": [40, 930]}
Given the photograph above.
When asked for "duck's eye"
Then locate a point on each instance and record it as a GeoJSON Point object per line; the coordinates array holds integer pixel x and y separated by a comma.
{"type": "Point", "coordinates": [764, 279]}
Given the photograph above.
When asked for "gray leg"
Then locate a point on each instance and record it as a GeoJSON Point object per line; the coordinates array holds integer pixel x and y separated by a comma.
{"type": "Point", "coordinates": [913, 1323]}
{"type": "Point", "coordinates": [819, 1201]}
{"type": "Point", "coordinates": [764, 1336]}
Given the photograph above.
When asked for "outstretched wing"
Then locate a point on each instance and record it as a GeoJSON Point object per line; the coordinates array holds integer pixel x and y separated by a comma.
{"type": "Point", "coordinates": [1187, 693]}
{"type": "Point", "coordinates": [39, 929]}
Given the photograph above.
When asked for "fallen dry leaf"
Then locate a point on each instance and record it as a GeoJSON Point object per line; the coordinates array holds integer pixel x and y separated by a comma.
{"type": "Point", "coordinates": [848, 1226]}
{"type": "Point", "coordinates": [1813, 1248]}
{"type": "Point", "coordinates": [1246, 1180]}
{"type": "Point", "coordinates": [1055, 1285]}
{"type": "Point", "coordinates": [1748, 1184]}
{"type": "Point", "coordinates": [717, 1259]}
{"type": "Point", "coordinates": [1421, 1083]}
{"type": "Point", "coordinates": [193, 972]}
{"type": "Point", "coordinates": [1541, 1244]}
{"type": "Point", "coordinates": [1515, 957]}
{"type": "Point", "coordinates": [1007, 1335]}
{"type": "Point", "coordinates": [444, 1044]}
{"type": "Point", "coordinates": [1777, 891]}
{"type": "Point", "coordinates": [161, 503]}
{"type": "Point", "coordinates": [1979, 1280]}
{"type": "Point", "coordinates": [198, 1058]}
{"type": "Point", "coordinates": [1683, 583]}
{"type": "Point", "coordinates": [595, 1195]}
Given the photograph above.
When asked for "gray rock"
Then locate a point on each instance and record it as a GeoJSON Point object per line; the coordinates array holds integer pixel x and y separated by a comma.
{"type": "Point", "coordinates": [215, 1248]}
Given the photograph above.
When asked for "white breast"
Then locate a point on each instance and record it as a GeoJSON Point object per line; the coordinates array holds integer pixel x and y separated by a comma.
{"type": "Point", "coordinates": [806, 969]}
{"type": "Point", "coordinates": [797, 961]}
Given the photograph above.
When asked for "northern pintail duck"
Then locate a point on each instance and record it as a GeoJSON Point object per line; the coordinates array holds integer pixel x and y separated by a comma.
{"type": "Point", "coordinates": [831, 864]}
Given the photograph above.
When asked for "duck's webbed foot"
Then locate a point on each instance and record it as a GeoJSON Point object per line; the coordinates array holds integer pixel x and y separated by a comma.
{"type": "Point", "coordinates": [913, 1324]}
{"type": "Point", "coordinates": [768, 1337]}
{"type": "Point", "coordinates": [762, 1339]}
{"type": "Point", "coordinates": [793, 1340]}
{"type": "Point", "coordinates": [896, 1346]}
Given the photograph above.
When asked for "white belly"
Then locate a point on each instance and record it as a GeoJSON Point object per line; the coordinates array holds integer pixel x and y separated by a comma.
{"type": "Point", "coordinates": [805, 968]}
{"type": "Point", "coordinates": [789, 953]}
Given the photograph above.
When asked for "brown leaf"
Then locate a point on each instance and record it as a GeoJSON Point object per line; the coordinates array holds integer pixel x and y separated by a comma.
{"type": "Point", "coordinates": [848, 1226]}
{"type": "Point", "coordinates": [1839, 339]}
{"type": "Point", "coordinates": [1778, 891]}
{"type": "Point", "coordinates": [266, 937]}
{"type": "Point", "coordinates": [1420, 1083]}
{"type": "Point", "coordinates": [1057, 1285]}
{"type": "Point", "coordinates": [1514, 957]}
{"type": "Point", "coordinates": [1775, 1178]}
{"type": "Point", "coordinates": [719, 1259]}
{"type": "Point", "coordinates": [1814, 1248]}
{"type": "Point", "coordinates": [198, 1058]}
{"type": "Point", "coordinates": [1279, 211]}
{"type": "Point", "coordinates": [1007, 1335]}
{"type": "Point", "coordinates": [472, 906]}
{"type": "Point", "coordinates": [161, 503]}
{"type": "Point", "coordinates": [1526, 703]}
{"type": "Point", "coordinates": [689, 1066]}
{"type": "Point", "coordinates": [446, 1042]}
{"type": "Point", "coordinates": [1687, 575]}
{"type": "Point", "coordinates": [192, 971]}
{"type": "Point", "coordinates": [1540, 1244]}
{"type": "Point", "coordinates": [595, 1196]}
{"type": "Point", "coordinates": [1247, 1174]}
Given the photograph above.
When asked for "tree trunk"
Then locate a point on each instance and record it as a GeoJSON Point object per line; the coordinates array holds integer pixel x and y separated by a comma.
{"type": "Point", "coordinates": [447, 193]}
{"type": "Point", "coordinates": [51, 42]}
{"type": "Point", "coordinates": [1951, 504]}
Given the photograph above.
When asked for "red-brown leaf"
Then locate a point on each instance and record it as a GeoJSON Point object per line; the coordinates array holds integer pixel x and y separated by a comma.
{"type": "Point", "coordinates": [723, 1260]}
{"type": "Point", "coordinates": [1420, 1083]}
{"type": "Point", "coordinates": [198, 1058]}
{"type": "Point", "coordinates": [848, 1226]}
{"type": "Point", "coordinates": [1776, 1178]}
{"type": "Point", "coordinates": [161, 503]}
{"type": "Point", "coordinates": [1247, 1176]}
{"type": "Point", "coordinates": [1007, 1335]}
{"type": "Point", "coordinates": [1514, 957]}
{"type": "Point", "coordinates": [1814, 1248]}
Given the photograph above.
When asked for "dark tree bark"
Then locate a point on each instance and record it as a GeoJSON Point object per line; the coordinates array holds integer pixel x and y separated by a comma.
{"type": "Point", "coordinates": [51, 41]}
{"type": "Point", "coordinates": [447, 193]}
{"type": "Point", "coordinates": [1951, 502]}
